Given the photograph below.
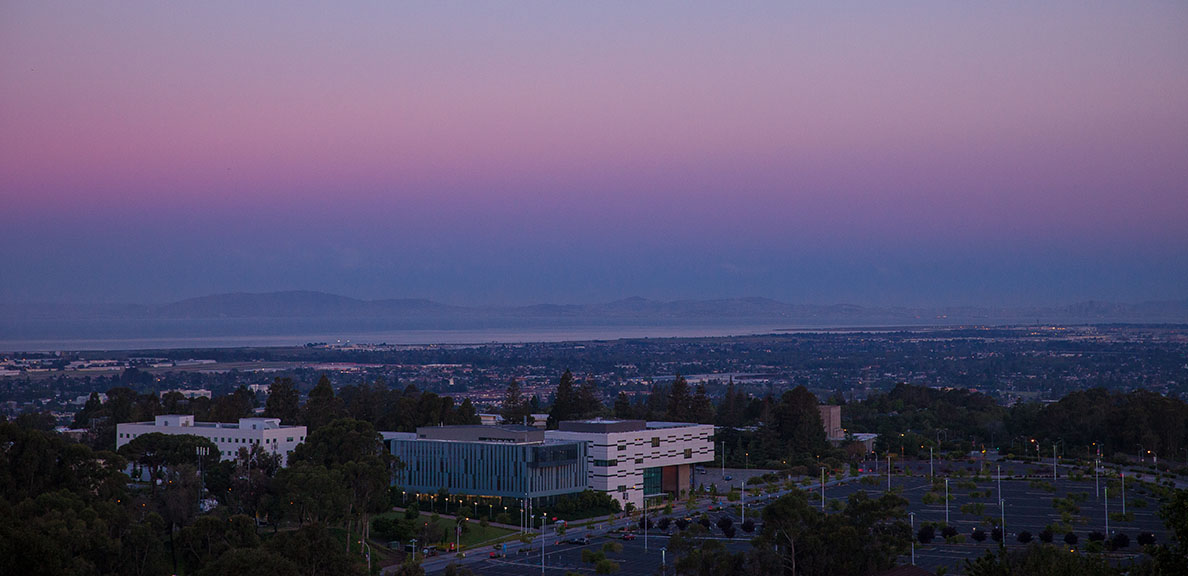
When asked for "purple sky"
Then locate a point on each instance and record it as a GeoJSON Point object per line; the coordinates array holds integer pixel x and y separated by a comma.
{"type": "Point", "coordinates": [873, 153]}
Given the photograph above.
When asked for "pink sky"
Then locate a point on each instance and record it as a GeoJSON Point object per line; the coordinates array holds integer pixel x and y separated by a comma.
{"type": "Point", "coordinates": [718, 151]}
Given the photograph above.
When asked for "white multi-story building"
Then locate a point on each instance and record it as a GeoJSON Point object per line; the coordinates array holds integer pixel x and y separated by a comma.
{"type": "Point", "coordinates": [631, 459]}
{"type": "Point", "coordinates": [267, 433]}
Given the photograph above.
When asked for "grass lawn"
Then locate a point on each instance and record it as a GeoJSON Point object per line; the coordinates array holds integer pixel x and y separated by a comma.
{"type": "Point", "coordinates": [475, 533]}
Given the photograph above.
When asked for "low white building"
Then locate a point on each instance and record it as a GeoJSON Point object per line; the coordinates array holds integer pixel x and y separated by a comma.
{"type": "Point", "coordinates": [265, 432]}
{"type": "Point", "coordinates": [631, 459]}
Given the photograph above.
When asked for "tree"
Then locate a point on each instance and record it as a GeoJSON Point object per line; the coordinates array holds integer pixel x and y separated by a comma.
{"type": "Point", "coordinates": [515, 407]}
{"type": "Point", "coordinates": [1024, 537]}
{"type": "Point", "coordinates": [589, 400]}
{"type": "Point", "coordinates": [1071, 538]}
{"type": "Point", "coordinates": [623, 408]}
{"type": "Point", "coordinates": [864, 538]}
{"type": "Point", "coordinates": [1038, 560]}
{"type": "Point", "coordinates": [926, 533]}
{"type": "Point", "coordinates": [701, 409]}
{"type": "Point", "coordinates": [565, 401]}
{"type": "Point", "coordinates": [322, 406]}
{"type": "Point", "coordinates": [1046, 536]}
{"type": "Point", "coordinates": [1120, 540]}
{"type": "Point", "coordinates": [353, 449]}
{"type": "Point", "coordinates": [978, 535]}
{"type": "Point", "coordinates": [680, 402]}
{"type": "Point", "coordinates": [283, 401]}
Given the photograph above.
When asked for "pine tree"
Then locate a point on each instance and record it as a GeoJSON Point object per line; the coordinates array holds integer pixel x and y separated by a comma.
{"type": "Point", "coordinates": [283, 401]}
{"type": "Point", "coordinates": [322, 406]}
{"type": "Point", "coordinates": [679, 401]}
{"type": "Point", "coordinates": [565, 401]}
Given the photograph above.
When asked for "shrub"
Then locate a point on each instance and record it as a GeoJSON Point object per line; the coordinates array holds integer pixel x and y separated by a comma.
{"type": "Point", "coordinates": [1120, 540]}
{"type": "Point", "coordinates": [978, 535]}
{"type": "Point", "coordinates": [1046, 535]}
{"type": "Point", "coordinates": [606, 566]}
{"type": "Point", "coordinates": [1096, 536]}
{"type": "Point", "coordinates": [748, 526]}
{"type": "Point", "coordinates": [1024, 537]}
{"type": "Point", "coordinates": [1146, 539]}
{"type": "Point", "coordinates": [926, 534]}
{"type": "Point", "coordinates": [948, 531]}
{"type": "Point", "coordinates": [1070, 538]}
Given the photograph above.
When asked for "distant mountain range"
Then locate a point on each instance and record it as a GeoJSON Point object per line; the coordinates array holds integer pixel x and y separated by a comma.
{"type": "Point", "coordinates": [633, 311]}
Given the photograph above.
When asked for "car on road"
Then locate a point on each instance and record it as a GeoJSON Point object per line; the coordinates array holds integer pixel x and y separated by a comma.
{"type": "Point", "coordinates": [495, 554]}
{"type": "Point", "coordinates": [728, 478]}
{"type": "Point", "coordinates": [579, 541]}
{"type": "Point", "coordinates": [628, 536]}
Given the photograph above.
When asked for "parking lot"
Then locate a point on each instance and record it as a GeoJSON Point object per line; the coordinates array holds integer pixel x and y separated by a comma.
{"type": "Point", "coordinates": [1025, 503]}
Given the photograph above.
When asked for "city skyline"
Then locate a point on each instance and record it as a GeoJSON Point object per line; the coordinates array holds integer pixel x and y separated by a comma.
{"type": "Point", "coordinates": [921, 154]}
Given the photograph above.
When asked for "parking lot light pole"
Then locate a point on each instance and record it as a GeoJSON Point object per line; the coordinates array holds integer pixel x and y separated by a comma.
{"type": "Point", "coordinates": [1107, 511]}
{"type": "Point", "coordinates": [664, 560]}
{"type": "Point", "coordinates": [822, 488]}
{"type": "Point", "coordinates": [912, 517]}
{"type": "Point", "coordinates": [543, 541]}
{"type": "Point", "coordinates": [1097, 477]}
{"type": "Point", "coordinates": [1000, 482]}
{"type": "Point", "coordinates": [1002, 520]}
{"type": "Point", "coordinates": [1123, 492]}
{"type": "Point", "coordinates": [946, 501]}
{"type": "Point", "coordinates": [930, 463]}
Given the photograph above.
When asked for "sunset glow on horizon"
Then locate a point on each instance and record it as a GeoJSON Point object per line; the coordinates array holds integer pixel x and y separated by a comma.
{"type": "Point", "coordinates": [522, 152]}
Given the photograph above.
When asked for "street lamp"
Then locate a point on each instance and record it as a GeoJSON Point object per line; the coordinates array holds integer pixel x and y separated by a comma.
{"type": "Point", "coordinates": [947, 498]}
{"type": "Point", "coordinates": [912, 517]}
{"type": "Point", "coordinates": [1002, 520]}
{"type": "Point", "coordinates": [543, 541]}
{"type": "Point", "coordinates": [822, 488]}
{"type": "Point", "coordinates": [664, 560]}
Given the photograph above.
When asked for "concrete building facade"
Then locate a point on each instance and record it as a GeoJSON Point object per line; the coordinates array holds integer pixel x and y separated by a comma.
{"type": "Point", "coordinates": [633, 459]}
{"type": "Point", "coordinates": [267, 433]}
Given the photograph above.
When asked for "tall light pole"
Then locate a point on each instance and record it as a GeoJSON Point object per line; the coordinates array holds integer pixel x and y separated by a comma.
{"type": "Point", "coordinates": [1002, 520]}
{"type": "Point", "coordinates": [946, 501]}
{"type": "Point", "coordinates": [912, 517]}
{"type": "Point", "coordinates": [1107, 510]}
{"type": "Point", "coordinates": [1000, 482]}
{"type": "Point", "coordinates": [822, 488]}
{"type": "Point", "coordinates": [1096, 477]}
{"type": "Point", "coordinates": [1053, 461]}
{"type": "Point", "coordinates": [543, 541]}
{"type": "Point", "coordinates": [930, 463]}
{"type": "Point", "coordinates": [1123, 492]}
{"type": "Point", "coordinates": [888, 471]}
{"type": "Point", "coordinates": [664, 560]}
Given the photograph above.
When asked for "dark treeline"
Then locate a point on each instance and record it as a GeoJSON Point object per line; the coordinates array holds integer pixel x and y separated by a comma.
{"type": "Point", "coordinates": [1120, 423]}
{"type": "Point", "coordinates": [66, 509]}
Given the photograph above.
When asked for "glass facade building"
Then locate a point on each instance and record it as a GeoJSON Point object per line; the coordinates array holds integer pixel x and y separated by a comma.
{"type": "Point", "coordinates": [505, 461]}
